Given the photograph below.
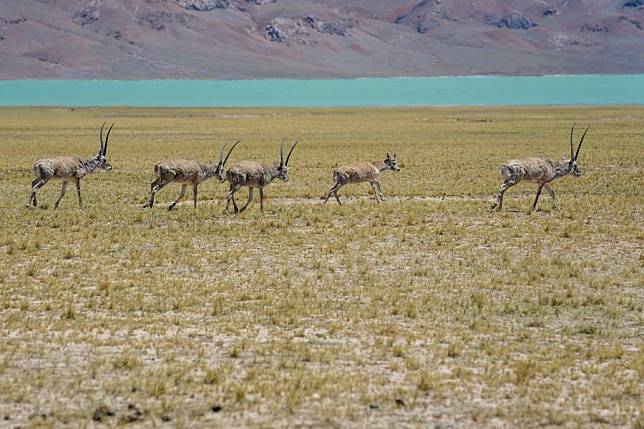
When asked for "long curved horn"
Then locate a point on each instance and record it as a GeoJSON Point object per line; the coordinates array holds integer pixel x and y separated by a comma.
{"type": "Point", "coordinates": [229, 152]}
{"type": "Point", "coordinates": [580, 142]}
{"type": "Point", "coordinates": [221, 153]}
{"type": "Point", "coordinates": [291, 151]}
{"type": "Point", "coordinates": [107, 137]}
{"type": "Point", "coordinates": [571, 131]}
{"type": "Point", "coordinates": [282, 153]}
{"type": "Point", "coordinates": [100, 151]}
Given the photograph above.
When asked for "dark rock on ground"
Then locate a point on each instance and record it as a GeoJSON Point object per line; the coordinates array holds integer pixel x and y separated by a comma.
{"type": "Point", "coordinates": [275, 33]}
{"type": "Point", "coordinates": [204, 5]}
{"type": "Point", "coordinates": [133, 414]}
{"type": "Point", "coordinates": [156, 20]}
{"type": "Point", "coordinates": [513, 21]}
{"type": "Point", "coordinates": [114, 34]}
{"type": "Point", "coordinates": [595, 28]}
{"type": "Point", "coordinates": [101, 413]}
{"type": "Point", "coordinates": [550, 11]}
{"type": "Point", "coordinates": [337, 28]}
{"type": "Point", "coordinates": [633, 22]}
{"type": "Point", "coordinates": [634, 4]}
{"type": "Point", "coordinates": [86, 14]}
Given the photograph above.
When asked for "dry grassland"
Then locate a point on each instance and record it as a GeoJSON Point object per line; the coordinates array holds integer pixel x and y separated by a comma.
{"type": "Point", "coordinates": [426, 311]}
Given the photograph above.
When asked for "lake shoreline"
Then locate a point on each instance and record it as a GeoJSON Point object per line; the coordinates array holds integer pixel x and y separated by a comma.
{"type": "Point", "coordinates": [563, 90]}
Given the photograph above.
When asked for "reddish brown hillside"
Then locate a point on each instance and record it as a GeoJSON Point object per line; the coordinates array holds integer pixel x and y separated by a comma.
{"type": "Point", "coordinates": [243, 39]}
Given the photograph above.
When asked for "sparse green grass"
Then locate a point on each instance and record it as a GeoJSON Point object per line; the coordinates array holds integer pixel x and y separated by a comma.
{"type": "Point", "coordinates": [420, 312]}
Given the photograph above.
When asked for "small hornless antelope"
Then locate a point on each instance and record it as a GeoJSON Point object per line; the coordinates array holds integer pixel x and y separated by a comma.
{"type": "Point", "coordinates": [255, 175]}
{"type": "Point", "coordinates": [539, 170]}
{"type": "Point", "coordinates": [362, 172]}
{"type": "Point", "coordinates": [68, 168]}
{"type": "Point", "coordinates": [187, 171]}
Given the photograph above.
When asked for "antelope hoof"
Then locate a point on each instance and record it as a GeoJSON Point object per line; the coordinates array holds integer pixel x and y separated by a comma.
{"type": "Point", "coordinates": [171, 207]}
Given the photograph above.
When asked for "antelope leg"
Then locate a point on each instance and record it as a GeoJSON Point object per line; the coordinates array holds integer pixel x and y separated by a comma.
{"type": "Point", "coordinates": [231, 196]}
{"type": "Point", "coordinates": [160, 184]}
{"type": "Point", "coordinates": [504, 187]}
{"type": "Point", "coordinates": [552, 195]}
{"type": "Point", "coordinates": [332, 190]}
{"type": "Point", "coordinates": [534, 205]}
{"type": "Point", "coordinates": [78, 191]}
{"type": "Point", "coordinates": [250, 198]}
{"type": "Point", "coordinates": [181, 194]}
{"type": "Point", "coordinates": [194, 193]}
{"type": "Point", "coordinates": [382, 197]}
{"type": "Point", "coordinates": [375, 192]}
{"type": "Point", "coordinates": [261, 199]}
{"type": "Point", "coordinates": [235, 202]}
{"type": "Point", "coordinates": [35, 185]}
{"type": "Point", "coordinates": [62, 192]}
{"type": "Point", "coordinates": [153, 191]}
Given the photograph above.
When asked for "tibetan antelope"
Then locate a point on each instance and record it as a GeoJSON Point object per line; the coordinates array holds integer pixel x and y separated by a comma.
{"type": "Point", "coordinates": [255, 175]}
{"type": "Point", "coordinates": [359, 173]}
{"type": "Point", "coordinates": [187, 171]}
{"type": "Point", "coordinates": [539, 170]}
{"type": "Point", "coordinates": [67, 169]}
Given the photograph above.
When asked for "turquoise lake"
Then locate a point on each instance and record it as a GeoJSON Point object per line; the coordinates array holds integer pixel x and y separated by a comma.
{"type": "Point", "coordinates": [428, 91]}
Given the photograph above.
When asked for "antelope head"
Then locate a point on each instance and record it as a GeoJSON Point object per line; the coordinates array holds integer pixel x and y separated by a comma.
{"type": "Point", "coordinates": [391, 164]}
{"type": "Point", "coordinates": [101, 157]}
{"type": "Point", "coordinates": [282, 170]}
{"type": "Point", "coordinates": [572, 163]}
{"type": "Point", "coordinates": [219, 171]}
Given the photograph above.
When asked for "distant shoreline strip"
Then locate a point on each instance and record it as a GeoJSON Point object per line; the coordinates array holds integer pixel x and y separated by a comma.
{"type": "Point", "coordinates": [361, 92]}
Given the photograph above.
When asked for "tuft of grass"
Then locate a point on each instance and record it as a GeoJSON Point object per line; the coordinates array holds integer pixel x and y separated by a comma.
{"type": "Point", "coordinates": [524, 371]}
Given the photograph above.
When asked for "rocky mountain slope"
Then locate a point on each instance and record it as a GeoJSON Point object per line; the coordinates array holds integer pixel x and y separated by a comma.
{"type": "Point", "coordinates": [245, 39]}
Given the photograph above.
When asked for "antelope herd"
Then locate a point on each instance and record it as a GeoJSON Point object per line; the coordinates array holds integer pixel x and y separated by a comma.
{"type": "Point", "coordinates": [253, 175]}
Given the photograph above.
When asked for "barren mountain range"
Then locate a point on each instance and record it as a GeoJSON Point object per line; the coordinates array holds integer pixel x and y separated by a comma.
{"type": "Point", "coordinates": [251, 39]}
